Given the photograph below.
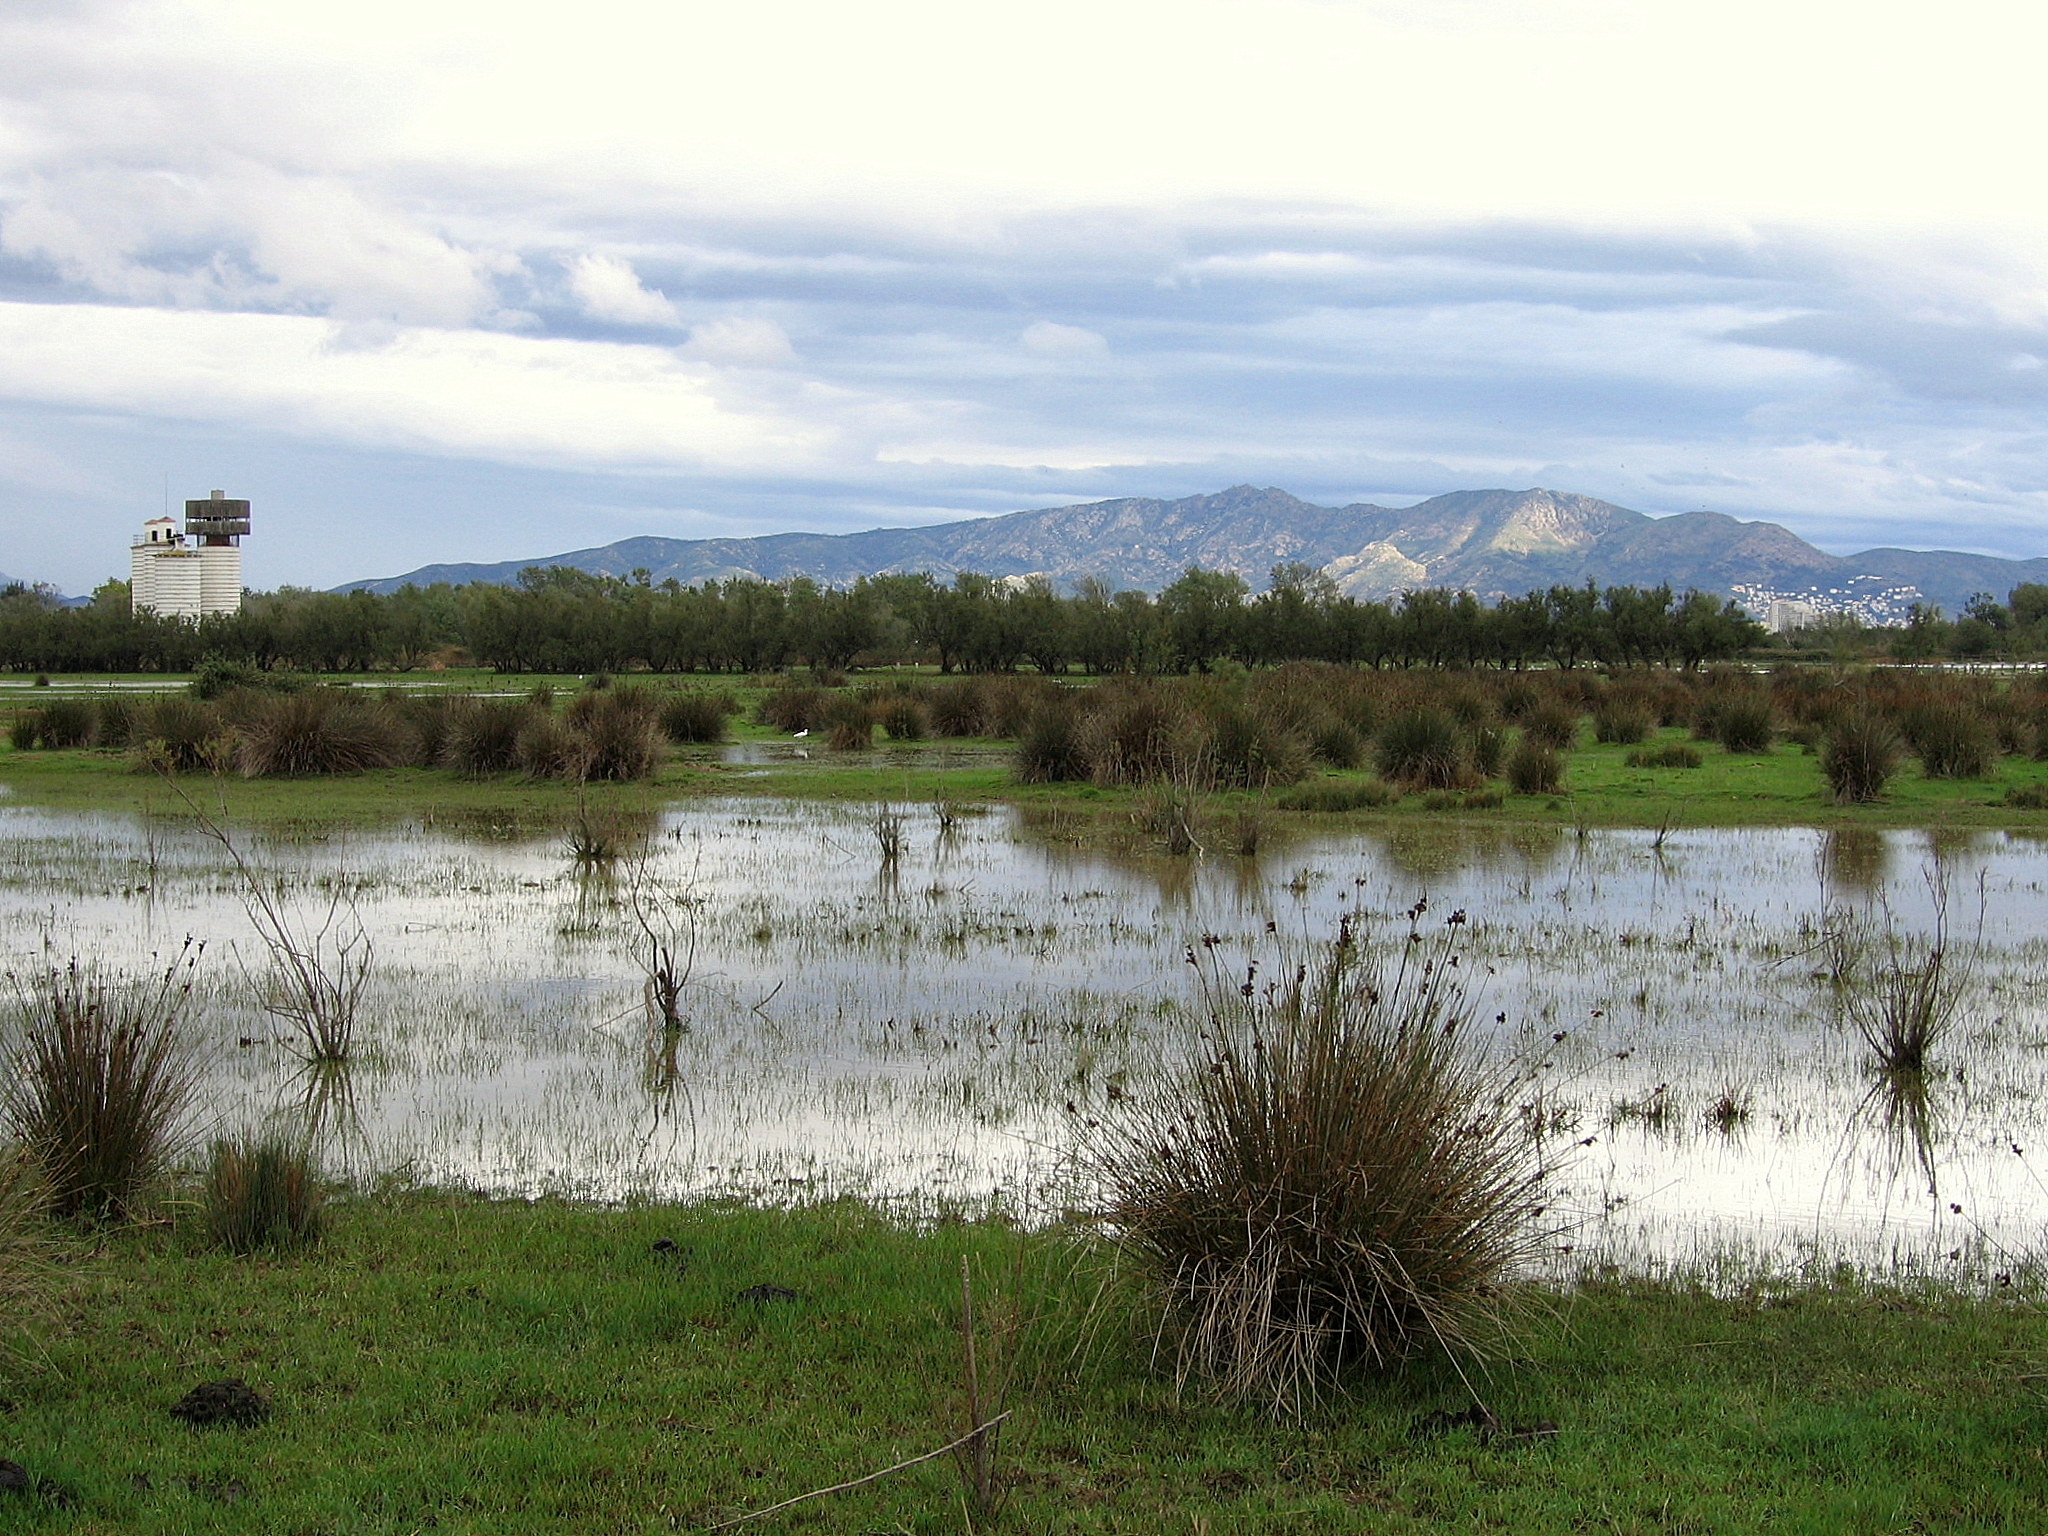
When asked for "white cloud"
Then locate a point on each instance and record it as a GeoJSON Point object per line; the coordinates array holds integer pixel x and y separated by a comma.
{"type": "Point", "coordinates": [1051, 339]}
{"type": "Point", "coordinates": [609, 289]}
{"type": "Point", "coordinates": [741, 341]}
{"type": "Point", "coordinates": [513, 398]}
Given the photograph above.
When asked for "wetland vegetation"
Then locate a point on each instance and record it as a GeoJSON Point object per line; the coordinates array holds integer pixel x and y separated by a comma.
{"type": "Point", "coordinates": [831, 984]}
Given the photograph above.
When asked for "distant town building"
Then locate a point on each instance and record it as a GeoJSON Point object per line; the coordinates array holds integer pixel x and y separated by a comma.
{"type": "Point", "coordinates": [1786, 614]}
{"type": "Point", "coordinates": [1871, 600]}
{"type": "Point", "coordinates": [193, 573]}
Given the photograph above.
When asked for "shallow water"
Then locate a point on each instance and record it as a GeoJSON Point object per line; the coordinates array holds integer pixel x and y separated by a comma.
{"type": "Point", "coordinates": [919, 1030]}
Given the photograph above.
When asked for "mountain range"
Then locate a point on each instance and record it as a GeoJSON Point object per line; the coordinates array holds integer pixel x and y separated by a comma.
{"type": "Point", "coordinates": [1493, 543]}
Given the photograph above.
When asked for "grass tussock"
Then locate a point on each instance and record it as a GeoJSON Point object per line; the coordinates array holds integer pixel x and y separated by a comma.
{"type": "Point", "coordinates": [1335, 1185]}
{"type": "Point", "coordinates": [1535, 768]}
{"type": "Point", "coordinates": [1335, 797]}
{"type": "Point", "coordinates": [1675, 755]}
{"type": "Point", "coordinates": [262, 1192]}
{"type": "Point", "coordinates": [323, 731]}
{"type": "Point", "coordinates": [100, 1084]}
{"type": "Point", "coordinates": [1422, 749]}
{"type": "Point", "coordinates": [1859, 756]}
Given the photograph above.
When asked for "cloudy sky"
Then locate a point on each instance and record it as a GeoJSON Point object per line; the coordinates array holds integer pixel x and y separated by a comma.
{"type": "Point", "coordinates": [444, 280]}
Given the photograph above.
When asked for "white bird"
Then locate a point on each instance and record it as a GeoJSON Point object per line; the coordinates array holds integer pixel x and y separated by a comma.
{"type": "Point", "coordinates": [800, 735]}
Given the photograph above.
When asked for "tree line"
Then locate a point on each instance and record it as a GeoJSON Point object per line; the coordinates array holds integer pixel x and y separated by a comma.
{"type": "Point", "coordinates": [556, 619]}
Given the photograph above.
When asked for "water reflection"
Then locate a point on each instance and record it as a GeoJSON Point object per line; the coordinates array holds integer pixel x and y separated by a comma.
{"type": "Point", "coordinates": [908, 1024]}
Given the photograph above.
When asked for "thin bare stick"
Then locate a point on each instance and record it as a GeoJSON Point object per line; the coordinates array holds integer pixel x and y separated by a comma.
{"type": "Point", "coordinates": [819, 1493]}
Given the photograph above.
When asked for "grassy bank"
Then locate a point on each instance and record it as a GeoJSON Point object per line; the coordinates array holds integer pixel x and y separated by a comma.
{"type": "Point", "coordinates": [446, 1363]}
{"type": "Point", "coordinates": [1781, 787]}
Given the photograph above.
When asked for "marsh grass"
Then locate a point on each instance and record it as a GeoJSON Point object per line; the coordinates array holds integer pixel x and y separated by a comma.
{"type": "Point", "coordinates": [1903, 993]}
{"type": "Point", "coordinates": [25, 1270]}
{"type": "Point", "coordinates": [262, 1192]}
{"type": "Point", "coordinates": [1673, 755]}
{"type": "Point", "coordinates": [102, 1083]}
{"type": "Point", "coordinates": [1744, 722]}
{"type": "Point", "coordinates": [318, 732]}
{"type": "Point", "coordinates": [1336, 1184]}
{"type": "Point", "coordinates": [1535, 767]}
{"type": "Point", "coordinates": [1859, 756]}
{"type": "Point", "coordinates": [1422, 749]}
{"type": "Point", "coordinates": [1951, 738]}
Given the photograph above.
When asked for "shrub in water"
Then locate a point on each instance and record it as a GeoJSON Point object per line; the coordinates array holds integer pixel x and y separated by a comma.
{"type": "Point", "coordinates": [262, 1193]}
{"type": "Point", "coordinates": [1859, 756]}
{"type": "Point", "coordinates": [100, 1084]}
{"type": "Point", "coordinates": [1951, 738]}
{"type": "Point", "coordinates": [1337, 1185]}
{"type": "Point", "coordinates": [1535, 768]}
{"type": "Point", "coordinates": [1745, 722]}
{"type": "Point", "coordinates": [1421, 748]}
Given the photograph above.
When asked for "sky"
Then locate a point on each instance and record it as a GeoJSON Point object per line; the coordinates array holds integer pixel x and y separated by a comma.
{"type": "Point", "coordinates": [442, 280]}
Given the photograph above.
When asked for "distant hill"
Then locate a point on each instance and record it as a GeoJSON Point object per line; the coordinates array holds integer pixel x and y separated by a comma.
{"type": "Point", "coordinates": [1493, 543]}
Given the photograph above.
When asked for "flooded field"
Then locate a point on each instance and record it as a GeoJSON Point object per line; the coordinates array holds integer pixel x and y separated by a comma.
{"type": "Point", "coordinates": [932, 1025]}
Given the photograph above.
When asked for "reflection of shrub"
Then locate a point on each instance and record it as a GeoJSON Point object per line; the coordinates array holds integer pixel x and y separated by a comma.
{"type": "Point", "coordinates": [1421, 748]}
{"type": "Point", "coordinates": [261, 1193]}
{"type": "Point", "coordinates": [101, 1085]}
{"type": "Point", "coordinates": [1859, 756]}
{"type": "Point", "coordinates": [1335, 1186]}
{"type": "Point", "coordinates": [1535, 768]}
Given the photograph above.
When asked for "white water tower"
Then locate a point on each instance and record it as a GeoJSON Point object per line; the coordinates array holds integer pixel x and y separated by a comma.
{"type": "Point", "coordinates": [195, 573]}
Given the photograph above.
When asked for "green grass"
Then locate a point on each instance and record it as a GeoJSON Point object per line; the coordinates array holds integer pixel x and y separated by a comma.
{"type": "Point", "coordinates": [1781, 787]}
{"type": "Point", "coordinates": [450, 1364]}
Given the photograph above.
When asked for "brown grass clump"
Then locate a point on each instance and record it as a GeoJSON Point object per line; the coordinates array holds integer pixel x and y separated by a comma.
{"type": "Point", "coordinates": [1335, 1184]}
{"type": "Point", "coordinates": [1535, 768]}
{"type": "Point", "coordinates": [322, 731]}
{"type": "Point", "coordinates": [483, 735]}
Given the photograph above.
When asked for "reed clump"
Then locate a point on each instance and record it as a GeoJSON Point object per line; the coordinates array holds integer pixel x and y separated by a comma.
{"type": "Point", "coordinates": [322, 731]}
{"type": "Point", "coordinates": [1535, 768]}
{"type": "Point", "coordinates": [1334, 1185]}
{"type": "Point", "coordinates": [1859, 756]}
{"type": "Point", "coordinates": [1952, 739]}
{"type": "Point", "coordinates": [262, 1192]}
{"type": "Point", "coordinates": [483, 735]}
{"type": "Point", "coordinates": [1672, 755]}
{"type": "Point", "coordinates": [1422, 748]}
{"type": "Point", "coordinates": [100, 1084]}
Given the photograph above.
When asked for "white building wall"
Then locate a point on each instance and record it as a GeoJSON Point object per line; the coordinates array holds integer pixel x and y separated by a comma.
{"type": "Point", "coordinates": [175, 583]}
{"type": "Point", "coordinates": [141, 578]}
{"type": "Point", "coordinates": [220, 579]}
